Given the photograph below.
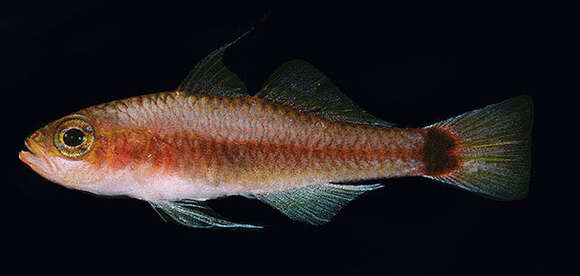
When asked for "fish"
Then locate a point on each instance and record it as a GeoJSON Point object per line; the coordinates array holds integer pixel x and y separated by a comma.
{"type": "Point", "coordinates": [299, 145]}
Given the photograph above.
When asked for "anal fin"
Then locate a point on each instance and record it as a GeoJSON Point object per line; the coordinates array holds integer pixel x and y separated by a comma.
{"type": "Point", "coordinates": [194, 214]}
{"type": "Point", "coordinates": [315, 204]}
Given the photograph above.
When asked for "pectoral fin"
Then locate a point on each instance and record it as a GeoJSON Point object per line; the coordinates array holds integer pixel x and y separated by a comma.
{"type": "Point", "coordinates": [316, 204]}
{"type": "Point", "coordinates": [194, 214]}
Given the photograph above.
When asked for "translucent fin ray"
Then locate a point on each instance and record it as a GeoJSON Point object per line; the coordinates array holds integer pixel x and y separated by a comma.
{"type": "Point", "coordinates": [493, 148]}
{"type": "Point", "coordinates": [194, 214]}
{"type": "Point", "coordinates": [316, 204]}
{"type": "Point", "coordinates": [211, 77]}
{"type": "Point", "coordinates": [300, 85]}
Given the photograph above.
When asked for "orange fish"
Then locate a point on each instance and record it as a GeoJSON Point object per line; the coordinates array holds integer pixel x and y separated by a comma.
{"type": "Point", "coordinates": [299, 145]}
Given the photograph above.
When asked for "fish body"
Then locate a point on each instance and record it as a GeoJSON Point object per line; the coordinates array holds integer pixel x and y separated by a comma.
{"type": "Point", "coordinates": [299, 145]}
{"type": "Point", "coordinates": [169, 146]}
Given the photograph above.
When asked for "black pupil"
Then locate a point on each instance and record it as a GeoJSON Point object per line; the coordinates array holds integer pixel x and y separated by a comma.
{"type": "Point", "coordinates": [73, 137]}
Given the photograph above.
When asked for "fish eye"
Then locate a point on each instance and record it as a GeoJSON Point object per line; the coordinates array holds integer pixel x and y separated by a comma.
{"type": "Point", "coordinates": [74, 137]}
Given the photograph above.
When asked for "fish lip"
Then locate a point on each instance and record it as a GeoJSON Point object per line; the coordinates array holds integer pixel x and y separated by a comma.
{"type": "Point", "coordinates": [33, 148]}
{"type": "Point", "coordinates": [34, 154]}
{"type": "Point", "coordinates": [30, 148]}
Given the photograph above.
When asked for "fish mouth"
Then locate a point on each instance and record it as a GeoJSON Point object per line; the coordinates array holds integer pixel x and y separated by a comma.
{"type": "Point", "coordinates": [35, 157]}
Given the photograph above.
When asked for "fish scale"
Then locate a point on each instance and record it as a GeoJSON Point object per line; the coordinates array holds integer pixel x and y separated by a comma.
{"type": "Point", "coordinates": [299, 145]}
{"type": "Point", "coordinates": [389, 148]}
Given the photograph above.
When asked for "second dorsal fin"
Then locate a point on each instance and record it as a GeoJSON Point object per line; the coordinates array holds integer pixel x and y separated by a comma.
{"type": "Point", "coordinates": [211, 77]}
{"type": "Point", "coordinates": [298, 84]}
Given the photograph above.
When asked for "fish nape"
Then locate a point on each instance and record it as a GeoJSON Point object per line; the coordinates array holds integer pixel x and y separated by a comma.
{"type": "Point", "coordinates": [294, 146]}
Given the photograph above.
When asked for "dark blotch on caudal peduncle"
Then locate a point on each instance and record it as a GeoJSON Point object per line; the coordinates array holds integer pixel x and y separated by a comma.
{"type": "Point", "coordinates": [439, 154]}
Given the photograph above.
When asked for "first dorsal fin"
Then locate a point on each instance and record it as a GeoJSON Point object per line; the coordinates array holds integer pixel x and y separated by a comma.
{"type": "Point", "coordinates": [195, 214]}
{"type": "Point", "coordinates": [315, 204]}
{"type": "Point", "coordinates": [211, 77]}
{"type": "Point", "coordinates": [300, 85]}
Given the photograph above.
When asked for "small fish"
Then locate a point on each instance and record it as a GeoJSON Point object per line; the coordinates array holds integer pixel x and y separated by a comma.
{"type": "Point", "coordinates": [299, 145]}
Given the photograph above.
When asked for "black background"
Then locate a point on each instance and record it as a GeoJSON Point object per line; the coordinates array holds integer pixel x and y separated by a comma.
{"type": "Point", "coordinates": [410, 65]}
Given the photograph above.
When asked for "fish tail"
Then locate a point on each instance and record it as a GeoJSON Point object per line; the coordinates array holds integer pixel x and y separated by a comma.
{"type": "Point", "coordinates": [486, 151]}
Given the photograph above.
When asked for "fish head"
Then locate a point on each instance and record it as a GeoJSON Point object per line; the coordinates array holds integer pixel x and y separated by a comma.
{"type": "Point", "coordinates": [64, 152]}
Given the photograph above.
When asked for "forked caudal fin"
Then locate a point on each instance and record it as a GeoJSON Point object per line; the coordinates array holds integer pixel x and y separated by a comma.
{"type": "Point", "coordinates": [486, 151]}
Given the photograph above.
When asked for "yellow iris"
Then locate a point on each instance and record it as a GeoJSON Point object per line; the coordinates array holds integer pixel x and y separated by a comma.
{"type": "Point", "coordinates": [74, 137]}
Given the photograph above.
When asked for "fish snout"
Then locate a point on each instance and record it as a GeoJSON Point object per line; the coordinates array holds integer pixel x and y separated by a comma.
{"type": "Point", "coordinates": [35, 153]}
{"type": "Point", "coordinates": [34, 142]}
{"type": "Point", "coordinates": [35, 136]}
